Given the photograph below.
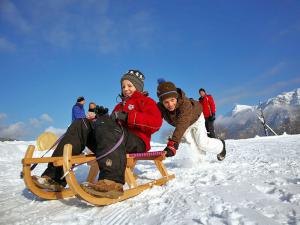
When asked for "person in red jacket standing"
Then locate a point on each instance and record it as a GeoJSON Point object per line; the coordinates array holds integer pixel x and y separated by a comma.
{"type": "Point", "coordinates": [209, 111]}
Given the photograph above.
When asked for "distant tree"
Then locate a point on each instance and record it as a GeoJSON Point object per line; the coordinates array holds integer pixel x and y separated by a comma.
{"type": "Point", "coordinates": [7, 139]}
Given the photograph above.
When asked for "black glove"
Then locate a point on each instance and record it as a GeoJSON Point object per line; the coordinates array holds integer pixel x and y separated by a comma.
{"type": "Point", "coordinates": [100, 110]}
{"type": "Point", "coordinates": [171, 148]}
{"type": "Point", "coordinates": [212, 117]}
{"type": "Point", "coordinates": [119, 115]}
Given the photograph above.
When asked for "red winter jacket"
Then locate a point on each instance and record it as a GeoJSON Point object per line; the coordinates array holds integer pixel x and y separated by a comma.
{"type": "Point", "coordinates": [208, 105]}
{"type": "Point", "coordinates": [144, 117]}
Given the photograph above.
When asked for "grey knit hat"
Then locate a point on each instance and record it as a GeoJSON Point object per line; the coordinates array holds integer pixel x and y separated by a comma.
{"type": "Point", "coordinates": [136, 77]}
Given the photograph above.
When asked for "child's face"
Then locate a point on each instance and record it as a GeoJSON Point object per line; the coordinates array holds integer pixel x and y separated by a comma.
{"type": "Point", "coordinates": [170, 104]}
{"type": "Point", "coordinates": [127, 88]}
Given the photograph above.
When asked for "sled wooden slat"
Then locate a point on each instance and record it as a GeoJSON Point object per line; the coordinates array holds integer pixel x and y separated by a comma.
{"type": "Point", "coordinates": [130, 178]}
{"type": "Point", "coordinates": [83, 159]}
{"type": "Point", "coordinates": [94, 170]}
{"type": "Point", "coordinates": [40, 160]}
{"type": "Point", "coordinates": [58, 161]}
{"type": "Point", "coordinates": [36, 190]}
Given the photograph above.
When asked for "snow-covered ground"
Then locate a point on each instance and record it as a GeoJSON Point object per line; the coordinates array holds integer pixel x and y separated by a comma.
{"type": "Point", "coordinates": [258, 183]}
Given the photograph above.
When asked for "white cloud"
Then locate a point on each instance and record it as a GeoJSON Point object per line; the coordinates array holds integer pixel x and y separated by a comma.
{"type": "Point", "coordinates": [242, 93]}
{"type": "Point", "coordinates": [10, 13]}
{"type": "Point", "coordinates": [253, 87]}
{"type": "Point", "coordinates": [21, 130]}
{"type": "Point", "coordinates": [274, 70]}
{"type": "Point", "coordinates": [278, 85]}
{"type": "Point", "coordinates": [137, 30]}
{"type": "Point", "coordinates": [60, 38]}
{"type": "Point", "coordinates": [57, 131]}
{"type": "Point", "coordinates": [92, 26]}
{"type": "Point", "coordinates": [13, 131]}
{"type": "Point", "coordinates": [6, 46]}
{"type": "Point", "coordinates": [3, 116]}
{"type": "Point", "coordinates": [289, 30]}
{"type": "Point", "coordinates": [35, 122]}
{"type": "Point", "coordinates": [46, 117]}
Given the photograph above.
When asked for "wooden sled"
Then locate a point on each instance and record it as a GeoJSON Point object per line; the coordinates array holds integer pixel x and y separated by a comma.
{"type": "Point", "coordinates": [27, 175]}
{"type": "Point", "coordinates": [75, 189]}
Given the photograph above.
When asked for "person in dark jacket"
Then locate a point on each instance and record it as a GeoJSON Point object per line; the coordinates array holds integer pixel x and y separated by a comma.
{"type": "Point", "coordinates": [186, 115]}
{"type": "Point", "coordinates": [78, 109]}
{"type": "Point", "coordinates": [132, 122]}
{"type": "Point", "coordinates": [209, 111]}
{"type": "Point", "coordinates": [91, 114]}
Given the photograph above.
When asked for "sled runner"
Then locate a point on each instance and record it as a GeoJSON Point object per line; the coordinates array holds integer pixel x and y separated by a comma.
{"type": "Point", "coordinates": [27, 176]}
{"type": "Point", "coordinates": [75, 189]}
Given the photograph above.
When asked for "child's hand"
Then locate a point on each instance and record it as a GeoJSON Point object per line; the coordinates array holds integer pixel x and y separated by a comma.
{"type": "Point", "coordinates": [100, 110]}
{"type": "Point", "coordinates": [119, 115]}
{"type": "Point", "coordinates": [171, 148]}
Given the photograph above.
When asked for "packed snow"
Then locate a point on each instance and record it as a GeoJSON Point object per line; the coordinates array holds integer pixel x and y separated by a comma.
{"type": "Point", "coordinates": [257, 183]}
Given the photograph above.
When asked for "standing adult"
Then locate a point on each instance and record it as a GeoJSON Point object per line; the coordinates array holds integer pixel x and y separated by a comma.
{"type": "Point", "coordinates": [209, 111]}
{"type": "Point", "coordinates": [78, 109]}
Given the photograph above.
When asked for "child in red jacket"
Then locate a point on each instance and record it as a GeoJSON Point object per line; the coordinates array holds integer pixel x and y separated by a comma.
{"type": "Point", "coordinates": [137, 112]}
{"type": "Point", "coordinates": [127, 130]}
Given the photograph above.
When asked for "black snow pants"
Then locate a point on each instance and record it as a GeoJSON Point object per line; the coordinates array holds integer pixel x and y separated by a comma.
{"type": "Point", "coordinates": [79, 134]}
{"type": "Point", "coordinates": [107, 134]}
{"type": "Point", "coordinates": [210, 128]}
{"type": "Point", "coordinates": [100, 136]}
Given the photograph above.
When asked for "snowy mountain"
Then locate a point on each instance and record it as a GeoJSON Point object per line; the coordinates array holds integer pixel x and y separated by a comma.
{"type": "Point", "coordinates": [282, 114]}
{"type": "Point", "coordinates": [257, 183]}
{"type": "Point", "coordinates": [288, 98]}
{"type": "Point", "coordinates": [242, 108]}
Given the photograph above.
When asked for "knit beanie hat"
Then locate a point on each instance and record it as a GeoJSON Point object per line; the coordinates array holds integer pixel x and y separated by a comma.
{"type": "Point", "coordinates": [136, 77]}
{"type": "Point", "coordinates": [166, 89]}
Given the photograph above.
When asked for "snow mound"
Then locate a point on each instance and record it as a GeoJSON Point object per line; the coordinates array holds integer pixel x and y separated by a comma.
{"type": "Point", "coordinates": [258, 183]}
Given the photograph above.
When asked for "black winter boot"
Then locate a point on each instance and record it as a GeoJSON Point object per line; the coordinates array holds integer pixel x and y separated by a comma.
{"type": "Point", "coordinates": [221, 155]}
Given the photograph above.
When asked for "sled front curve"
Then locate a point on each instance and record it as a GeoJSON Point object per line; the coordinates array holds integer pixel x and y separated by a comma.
{"type": "Point", "coordinates": [129, 177]}
{"type": "Point", "coordinates": [27, 176]}
{"type": "Point", "coordinates": [74, 185]}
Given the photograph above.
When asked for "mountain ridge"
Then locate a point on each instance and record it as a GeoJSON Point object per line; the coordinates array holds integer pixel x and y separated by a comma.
{"type": "Point", "coordinates": [282, 114]}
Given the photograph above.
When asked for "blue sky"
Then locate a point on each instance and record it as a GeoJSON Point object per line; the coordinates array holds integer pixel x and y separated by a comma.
{"type": "Point", "coordinates": [53, 51]}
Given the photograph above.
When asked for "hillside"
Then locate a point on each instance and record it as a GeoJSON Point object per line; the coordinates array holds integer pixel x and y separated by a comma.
{"type": "Point", "coordinates": [258, 183]}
